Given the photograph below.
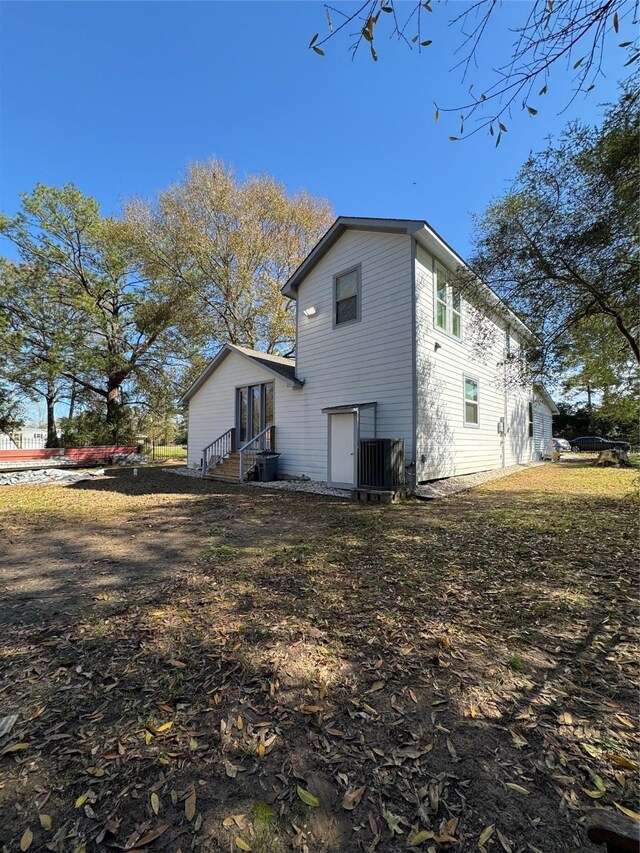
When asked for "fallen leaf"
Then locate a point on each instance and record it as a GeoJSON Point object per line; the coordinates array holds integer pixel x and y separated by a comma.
{"type": "Point", "coordinates": [629, 812]}
{"type": "Point", "coordinates": [599, 783]}
{"type": "Point", "coordinates": [7, 723]}
{"type": "Point", "coordinates": [352, 798]}
{"type": "Point", "coordinates": [308, 798]}
{"type": "Point", "coordinates": [393, 822]}
{"type": "Point", "coordinates": [241, 844]}
{"type": "Point", "coordinates": [617, 759]}
{"type": "Point", "coordinates": [97, 772]}
{"type": "Point", "coordinates": [15, 747]}
{"type": "Point", "coordinates": [25, 841]}
{"type": "Point", "coordinates": [595, 795]}
{"type": "Point", "coordinates": [45, 821]}
{"type": "Point", "coordinates": [190, 804]}
{"type": "Point", "coordinates": [82, 799]}
{"type": "Point", "coordinates": [486, 834]}
{"type": "Point", "coordinates": [591, 750]}
{"type": "Point", "coordinates": [518, 739]}
{"type": "Point", "coordinates": [517, 788]}
{"type": "Point", "coordinates": [150, 836]}
{"type": "Point", "coordinates": [418, 837]}
{"type": "Point", "coordinates": [506, 844]}
{"type": "Point", "coordinates": [377, 685]}
{"type": "Point", "coordinates": [164, 727]}
{"type": "Point", "coordinates": [155, 803]}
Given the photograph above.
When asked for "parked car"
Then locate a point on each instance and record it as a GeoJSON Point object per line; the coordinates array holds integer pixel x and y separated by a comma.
{"type": "Point", "coordinates": [556, 445]}
{"type": "Point", "coordinates": [596, 443]}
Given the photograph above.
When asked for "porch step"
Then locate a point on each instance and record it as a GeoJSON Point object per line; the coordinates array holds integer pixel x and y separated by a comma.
{"type": "Point", "coordinates": [221, 478]}
{"type": "Point", "coordinates": [227, 470]}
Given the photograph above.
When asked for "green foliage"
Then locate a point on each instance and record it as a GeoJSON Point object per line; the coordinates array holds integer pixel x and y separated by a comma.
{"type": "Point", "coordinates": [562, 245]}
{"type": "Point", "coordinates": [117, 329]}
{"type": "Point", "coordinates": [516, 663]}
{"type": "Point", "coordinates": [232, 244]}
{"type": "Point", "coordinates": [91, 428]}
{"type": "Point", "coordinates": [9, 410]}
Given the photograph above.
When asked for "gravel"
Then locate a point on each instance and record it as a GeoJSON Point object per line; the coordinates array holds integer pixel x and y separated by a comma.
{"type": "Point", "coordinates": [430, 491]}
{"type": "Point", "coordinates": [182, 471]}
{"type": "Point", "coordinates": [47, 475]}
{"type": "Point", "coordinates": [314, 487]}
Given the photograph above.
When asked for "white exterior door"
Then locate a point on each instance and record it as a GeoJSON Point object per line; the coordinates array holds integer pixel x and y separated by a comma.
{"type": "Point", "coordinates": [342, 450]}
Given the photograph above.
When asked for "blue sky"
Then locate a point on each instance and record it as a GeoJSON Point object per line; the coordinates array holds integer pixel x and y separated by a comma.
{"type": "Point", "coordinates": [118, 97]}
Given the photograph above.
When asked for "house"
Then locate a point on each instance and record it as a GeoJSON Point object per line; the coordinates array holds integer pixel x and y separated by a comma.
{"type": "Point", "coordinates": [27, 438]}
{"type": "Point", "coordinates": [385, 348]}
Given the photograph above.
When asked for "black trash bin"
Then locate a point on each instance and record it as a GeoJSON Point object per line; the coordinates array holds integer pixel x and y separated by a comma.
{"type": "Point", "coordinates": [267, 465]}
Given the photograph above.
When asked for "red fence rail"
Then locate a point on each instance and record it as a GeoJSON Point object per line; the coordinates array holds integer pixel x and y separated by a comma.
{"type": "Point", "coordinates": [77, 455]}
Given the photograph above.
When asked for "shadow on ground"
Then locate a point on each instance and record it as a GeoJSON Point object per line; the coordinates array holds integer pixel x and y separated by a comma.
{"type": "Point", "coordinates": [470, 663]}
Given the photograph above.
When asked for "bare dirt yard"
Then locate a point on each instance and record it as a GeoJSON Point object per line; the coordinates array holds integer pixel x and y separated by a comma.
{"type": "Point", "coordinates": [200, 666]}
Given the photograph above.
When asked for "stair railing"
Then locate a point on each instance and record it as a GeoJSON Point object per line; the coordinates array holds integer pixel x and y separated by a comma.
{"type": "Point", "coordinates": [265, 440]}
{"type": "Point", "coordinates": [217, 450]}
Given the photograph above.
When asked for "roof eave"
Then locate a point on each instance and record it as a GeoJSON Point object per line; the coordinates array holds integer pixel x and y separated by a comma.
{"type": "Point", "coordinates": [342, 223]}
{"type": "Point", "coordinates": [546, 396]}
{"type": "Point", "coordinates": [219, 358]}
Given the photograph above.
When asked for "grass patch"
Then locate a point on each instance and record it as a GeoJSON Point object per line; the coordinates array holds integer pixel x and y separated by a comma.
{"type": "Point", "coordinates": [516, 663]}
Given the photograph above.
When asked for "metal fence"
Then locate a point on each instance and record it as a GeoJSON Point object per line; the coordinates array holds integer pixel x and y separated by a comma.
{"type": "Point", "coordinates": [158, 452]}
{"type": "Point", "coordinates": [21, 442]}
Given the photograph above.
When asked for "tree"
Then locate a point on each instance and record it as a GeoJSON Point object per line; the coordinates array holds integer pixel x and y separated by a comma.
{"type": "Point", "coordinates": [37, 339]}
{"type": "Point", "coordinates": [561, 247]}
{"type": "Point", "coordinates": [552, 32]}
{"type": "Point", "coordinates": [9, 410]}
{"type": "Point", "coordinates": [232, 244]}
{"type": "Point", "coordinates": [125, 326]}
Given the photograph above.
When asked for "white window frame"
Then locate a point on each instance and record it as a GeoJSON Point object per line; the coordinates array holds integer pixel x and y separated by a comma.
{"type": "Point", "coordinates": [470, 424]}
{"type": "Point", "coordinates": [450, 311]}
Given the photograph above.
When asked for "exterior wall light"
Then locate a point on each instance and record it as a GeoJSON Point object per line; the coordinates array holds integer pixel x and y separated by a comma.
{"type": "Point", "coordinates": [309, 312]}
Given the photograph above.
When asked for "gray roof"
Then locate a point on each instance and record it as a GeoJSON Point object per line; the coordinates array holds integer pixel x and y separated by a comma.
{"type": "Point", "coordinates": [282, 368]}
{"type": "Point", "coordinates": [286, 367]}
{"type": "Point", "coordinates": [423, 233]}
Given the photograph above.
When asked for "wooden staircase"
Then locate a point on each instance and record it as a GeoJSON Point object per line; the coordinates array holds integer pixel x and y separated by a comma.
{"type": "Point", "coordinates": [227, 470]}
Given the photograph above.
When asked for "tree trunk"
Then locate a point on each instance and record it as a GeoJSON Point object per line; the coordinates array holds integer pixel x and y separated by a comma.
{"type": "Point", "coordinates": [115, 407]}
{"type": "Point", "coordinates": [72, 399]}
{"type": "Point", "coordinates": [52, 433]}
{"type": "Point", "coordinates": [590, 408]}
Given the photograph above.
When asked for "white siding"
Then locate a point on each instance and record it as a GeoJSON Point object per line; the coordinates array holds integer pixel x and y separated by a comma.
{"type": "Point", "coordinates": [212, 408]}
{"type": "Point", "coordinates": [367, 361]}
{"type": "Point", "coordinates": [445, 446]}
{"type": "Point", "coordinates": [542, 427]}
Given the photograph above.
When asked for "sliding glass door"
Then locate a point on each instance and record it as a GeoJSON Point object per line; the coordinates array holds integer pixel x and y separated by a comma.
{"type": "Point", "coordinates": [254, 406]}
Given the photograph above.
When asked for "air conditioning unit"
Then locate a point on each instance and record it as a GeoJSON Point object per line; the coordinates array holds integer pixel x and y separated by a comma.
{"type": "Point", "coordinates": [381, 464]}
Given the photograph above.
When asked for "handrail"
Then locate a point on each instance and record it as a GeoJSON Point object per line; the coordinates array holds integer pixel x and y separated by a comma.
{"type": "Point", "coordinates": [265, 440]}
{"type": "Point", "coordinates": [217, 450]}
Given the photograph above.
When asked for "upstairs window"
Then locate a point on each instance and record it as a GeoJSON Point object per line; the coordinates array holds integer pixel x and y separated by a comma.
{"type": "Point", "coordinates": [470, 401]}
{"type": "Point", "coordinates": [448, 304]}
{"type": "Point", "coordinates": [346, 296]}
